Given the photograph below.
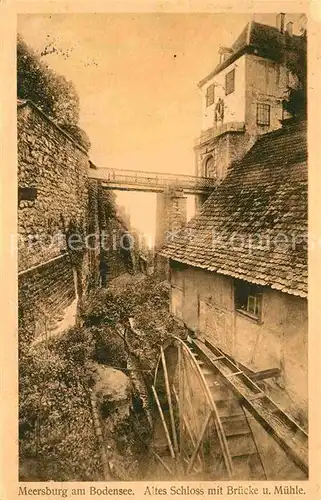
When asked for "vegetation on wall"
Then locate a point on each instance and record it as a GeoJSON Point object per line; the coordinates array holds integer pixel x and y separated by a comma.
{"type": "Point", "coordinates": [295, 59]}
{"type": "Point", "coordinates": [51, 92]}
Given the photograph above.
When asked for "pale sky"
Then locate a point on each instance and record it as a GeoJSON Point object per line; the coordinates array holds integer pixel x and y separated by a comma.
{"type": "Point", "coordinates": [136, 76]}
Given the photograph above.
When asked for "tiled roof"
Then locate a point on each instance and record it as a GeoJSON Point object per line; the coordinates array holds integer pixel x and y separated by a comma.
{"type": "Point", "coordinates": [264, 196]}
{"type": "Point", "coordinates": [265, 40]}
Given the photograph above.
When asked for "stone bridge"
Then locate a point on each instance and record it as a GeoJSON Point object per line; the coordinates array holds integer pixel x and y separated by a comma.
{"type": "Point", "coordinates": [171, 190]}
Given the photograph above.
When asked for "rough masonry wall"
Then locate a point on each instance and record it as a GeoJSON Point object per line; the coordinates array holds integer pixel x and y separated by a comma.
{"type": "Point", "coordinates": [267, 83]}
{"type": "Point", "coordinates": [56, 197]}
{"type": "Point", "coordinates": [171, 213]}
{"type": "Point", "coordinates": [204, 301]}
{"type": "Point", "coordinates": [44, 293]}
{"type": "Point", "coordinates": [51, 163]}
{"type": "Point", "coordinates": [53, 168]}
{"type": "Point", "coordinates": [225, 149]}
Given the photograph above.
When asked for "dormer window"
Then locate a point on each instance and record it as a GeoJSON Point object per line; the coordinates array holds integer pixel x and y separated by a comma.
{"type": "Point", "coordinates": [210, 95]}
{"type": "Point", "coordinates": [230, 82]}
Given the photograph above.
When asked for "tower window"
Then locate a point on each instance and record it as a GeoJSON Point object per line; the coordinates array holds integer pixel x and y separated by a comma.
{"type": "Point", "coordinates": [210, 95]}
{"type": "Point", "coordinates": [263, 114]}
{"type": "Point", "coordinates": [248, 298]}
{"type": "Point", "coordinates": [230, 82]}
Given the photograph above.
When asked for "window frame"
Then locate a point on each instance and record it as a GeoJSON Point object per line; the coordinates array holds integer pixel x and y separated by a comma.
{"type": "Point", "coordinates": [229, 91]}
{"type": "Point", "coordinates": [264, 107]}
{"type": "Point", "coordinates": [210, 95]}
{"type": "Point", "coordinates": [250, 291]}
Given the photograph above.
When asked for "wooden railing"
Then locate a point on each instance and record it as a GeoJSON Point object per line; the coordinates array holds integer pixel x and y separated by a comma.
{"type": "Point", "coordinates": [156, 180]}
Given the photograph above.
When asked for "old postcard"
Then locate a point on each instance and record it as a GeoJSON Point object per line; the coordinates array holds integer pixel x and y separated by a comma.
{"type": "Point", "coordinates": [157, 237]}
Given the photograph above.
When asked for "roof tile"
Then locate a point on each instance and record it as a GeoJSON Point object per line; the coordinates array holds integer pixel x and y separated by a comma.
{"type": "Point", "coordinates": [254, 225]}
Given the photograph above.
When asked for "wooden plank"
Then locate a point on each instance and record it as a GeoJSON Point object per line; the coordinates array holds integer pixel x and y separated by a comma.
{"type": "Point", "coordinates": [181, 399]}
{"type": "Point", "coordinates": [210, 402]}
{"type": "Point", "coordinates": [188, 427]}
{"type": "Point", "coordinates": [233, 374]}
{"type": "Point", "coordinates": [217, 420]}
{"type": "Point", "coordinates": [264, 374]}
{"type": "Point", "coordinates": [290, 436]}
{"type": "Point", "coordinates": [169, 399]}
{"type": "Point", "coordinates": [162, 462]}
{"type": "Point", "coordinates": [199, 442]}
{"type": "Point", "coordinates": [169, 442]}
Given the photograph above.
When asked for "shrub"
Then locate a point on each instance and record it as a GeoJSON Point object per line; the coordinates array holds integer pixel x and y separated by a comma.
{"type": "Point", "coordinates": [55, 422]}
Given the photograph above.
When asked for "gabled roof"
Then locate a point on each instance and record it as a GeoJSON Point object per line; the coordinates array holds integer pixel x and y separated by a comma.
{"type": "Point", "coordinates": [263, 196]}
{"type": "Point", "coordinates": [261, 39]}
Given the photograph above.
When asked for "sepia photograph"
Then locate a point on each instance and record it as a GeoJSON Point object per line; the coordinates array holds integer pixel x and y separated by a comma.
{"type": "Point", "coordinates": [162, 249]}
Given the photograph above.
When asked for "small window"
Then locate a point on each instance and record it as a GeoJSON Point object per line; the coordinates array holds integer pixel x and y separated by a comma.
{"type": "Point", "coordinates": [263, 114]}
{"type": "Point", "coordinates": [248, 298]}
{"type": "Point", "coordinates": [210, 95]}
{"type": "Point", "coordinates": [230, 82]}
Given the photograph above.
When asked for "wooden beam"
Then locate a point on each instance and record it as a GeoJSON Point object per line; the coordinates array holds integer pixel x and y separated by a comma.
{"type": "Point", "coordinates": [162, 462]}
{"type": "Point", "coordinates": [199, 442]}
{"type": "Point", "coordinates": [187, 427]}
{"type": "Point", "coordinates": [169, 399]}
{"type": "Point", "coordinates": [169, 442]}
{"type": "Point", "coordinates": [263, 374]}
{"type": "Point", "coordinates": [181, 400]}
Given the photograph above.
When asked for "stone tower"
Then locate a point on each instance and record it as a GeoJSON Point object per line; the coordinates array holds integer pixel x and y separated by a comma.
{"type": "Point", "coordinates": [242, 97]}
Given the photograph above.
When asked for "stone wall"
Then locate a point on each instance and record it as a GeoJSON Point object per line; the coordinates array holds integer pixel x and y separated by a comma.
{"type": "Point", "coordinates": [57, 199]}
{"type": "Point", "coordinates": [234, 103]}
{"type": "Point", "coordinates": [56, 167]}
{"type": "Point", "coordinates": [44, 293]}
{"type": "Point", "coordinates": [204, 301]}
{"type": "Point", "coordinates": [171, 214]}
{"type": "Point", "coordinates": [257, 81]}
{"type": "Point", "coordinates": [266, 84]}
{"type": "Point", "coordinates": [225, 149]}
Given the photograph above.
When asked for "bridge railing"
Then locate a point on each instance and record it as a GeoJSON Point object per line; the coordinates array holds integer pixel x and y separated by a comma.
{"type": "Point", "coordinates": [141, 177]}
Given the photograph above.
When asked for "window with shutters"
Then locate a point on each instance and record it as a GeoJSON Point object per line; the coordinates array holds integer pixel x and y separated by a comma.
{"type": "Point", "coordinates": [263, 114]}
{"type": "Point", "coordinates": [230, 82]}
{"type": "Point", "coordinates": [210, 95]}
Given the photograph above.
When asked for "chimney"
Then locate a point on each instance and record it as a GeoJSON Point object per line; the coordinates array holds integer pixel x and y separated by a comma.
{"type": "Point", "coordinates": [280, 20]}
{"type": "Point", "coordinates": [289, 28]}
